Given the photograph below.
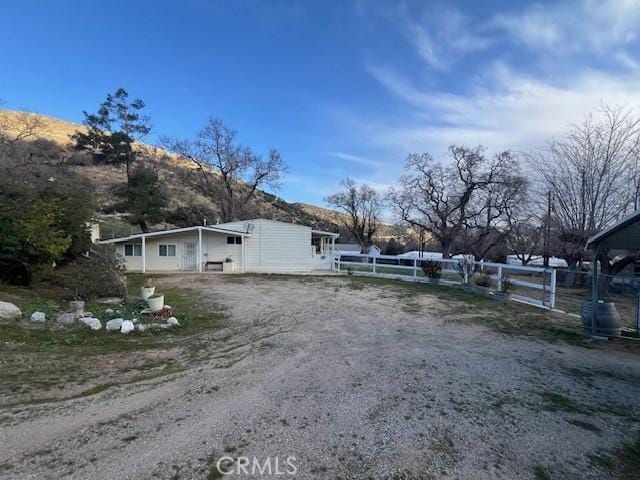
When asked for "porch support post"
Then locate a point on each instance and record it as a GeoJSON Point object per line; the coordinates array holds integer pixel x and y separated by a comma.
{"type": "Point", "coordinates": [594, 288]}
{"type": "Point", "coordinates": [199, 250]}
{"type": "Point", "coordinates": [144, 255]}
{"type": "Point", "coordinates": [242, 250]}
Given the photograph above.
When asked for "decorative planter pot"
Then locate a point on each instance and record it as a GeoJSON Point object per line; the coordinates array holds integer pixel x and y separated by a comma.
{"type": "Point", "coordinates": [156, 303]}
{"type": "Point", "coordinates": [228, 267]}
{"type": "Point", "coordinates": [146, 292]}
{"type": "Point", "coordinates": [484, 291]}
{"type": "Point", "coordinates": [607, 318]}
{"type": "Point", "coordinates": [502, 296]}
{"type": "Point", "coordinates": [76, 306]}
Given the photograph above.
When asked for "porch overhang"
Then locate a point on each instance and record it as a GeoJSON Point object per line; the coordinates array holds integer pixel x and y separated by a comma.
{"type": "Point", "coordinates": [136, 236]}
{"type": "Point", "coordinates": [197, 229]}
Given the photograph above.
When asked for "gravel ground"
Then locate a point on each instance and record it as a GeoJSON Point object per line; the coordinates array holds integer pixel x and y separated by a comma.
{"type": "Point", "coordinates": [349, 383]}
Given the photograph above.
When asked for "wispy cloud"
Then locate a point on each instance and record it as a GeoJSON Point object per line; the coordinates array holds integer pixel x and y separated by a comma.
{"type": "Point", "coordinates": [349, 157]}
{"type": "Point", "coordinates": [443, 37]}
{"type": "Point", "coordinates": [500, 104]}
{"type": "Point", "coordinates": [579, 26]}
{"type": "Point", "coordinates": [506, 110]}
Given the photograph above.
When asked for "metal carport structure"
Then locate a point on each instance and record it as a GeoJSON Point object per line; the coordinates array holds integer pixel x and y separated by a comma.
{"type": "Point", "coordinates": [624, 235]}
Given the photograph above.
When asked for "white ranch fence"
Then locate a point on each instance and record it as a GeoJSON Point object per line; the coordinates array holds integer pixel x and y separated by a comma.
{"type": "Point", "coordinates": [531, 285]}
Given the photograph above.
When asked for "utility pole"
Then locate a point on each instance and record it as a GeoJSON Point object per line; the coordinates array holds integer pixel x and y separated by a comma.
{"type": "Point", "coordinates": [547, 232]}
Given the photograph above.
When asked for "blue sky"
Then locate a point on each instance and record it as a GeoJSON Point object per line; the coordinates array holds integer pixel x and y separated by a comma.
{"type": "Point", "coordinates": [341, 88]}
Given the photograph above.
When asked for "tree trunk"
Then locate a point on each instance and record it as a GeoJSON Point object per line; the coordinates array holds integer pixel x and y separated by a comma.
{"type": "Point", "coordinates": [143, 226]}
{"type": "Point", "coordinates": [446, 250]}
{"type": "Point", "coordinates": [570, 277]}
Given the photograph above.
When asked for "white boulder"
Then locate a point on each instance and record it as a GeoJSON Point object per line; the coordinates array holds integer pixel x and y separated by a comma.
{"type": "Point", "coordinates": [9, 312]}
{"type": "Point", "coordinates": [115, 324]}
{"type": "Point", "coordinates": [92, 322]}
{"type": "Point", "coordinates": [141, 327]}
{"type": "Point", "coordinates": [109, 311]}
{"type": "Point", "coordinates": [38, 317]}
{"type": "Point", "coordinates": [127, 326]}
{"type": "Point", "coordinates": [173, 321]}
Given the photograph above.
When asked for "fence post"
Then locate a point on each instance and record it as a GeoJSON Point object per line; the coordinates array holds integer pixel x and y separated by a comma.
{"type": "Point", "coordinates": [374, 264]}
{"type": "Point", "coordinates": [415, 267]}
{"type": "Point", "coordinates": [552, 293]}
{"type": "Point", "coordinates": [500, 278]}
{"type": "Point", "coordinates": [338, 262]}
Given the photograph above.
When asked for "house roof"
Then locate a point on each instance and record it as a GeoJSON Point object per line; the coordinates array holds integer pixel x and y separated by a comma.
{"type": "Point", "coordinates": [176, 230]}
{"type": "Point", "coordinates": [624, 235]}
{"type": "Point", "coordinates": [328, 234]}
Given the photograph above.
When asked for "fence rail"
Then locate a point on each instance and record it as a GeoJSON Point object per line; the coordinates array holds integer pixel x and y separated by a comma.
{"type": "Point", "coordinates": [532, 285]}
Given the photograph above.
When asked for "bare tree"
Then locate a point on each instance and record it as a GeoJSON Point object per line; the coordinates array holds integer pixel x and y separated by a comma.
{"type": "Point", "coordinates": [22, 126]}
{"type": "Point", "coordinates": [447, 200]}
{"type": "Point", "coordinates": [362, 206]}
{"type": "Point", "coordinates": [227, 172]}
{"type": "Point", "coordinates": [493, 206]}
{"type": "Point", "coordinates": [592, 172]}
{"type": "Point", "coordinates": [524, 237]}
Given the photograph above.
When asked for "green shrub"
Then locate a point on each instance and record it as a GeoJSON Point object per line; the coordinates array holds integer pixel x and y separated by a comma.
{"type": "Point", "coordinates": [483, 280]}
{"type": "Point", "coordinates": [431, 268]}
{"type": "Point", "coordinates": [101, 274]}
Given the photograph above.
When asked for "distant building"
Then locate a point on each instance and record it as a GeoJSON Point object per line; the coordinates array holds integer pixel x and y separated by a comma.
{"type": "Point", "coordinates": [538, 261]}
{"type": "Point", "coordinates": [415, 254]}
{"type": "Point", "coordinates": [355, 249]}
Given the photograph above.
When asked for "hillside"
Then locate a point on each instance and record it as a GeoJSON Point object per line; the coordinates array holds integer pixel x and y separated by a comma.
{"type": "Point", "coordinates": [51, 139]}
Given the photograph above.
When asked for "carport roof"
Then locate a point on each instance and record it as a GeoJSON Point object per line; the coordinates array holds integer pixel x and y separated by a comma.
{"type": "Point", "coordinates": [227, 231]}
{"type": "Point", "coordinates": [624, 235]}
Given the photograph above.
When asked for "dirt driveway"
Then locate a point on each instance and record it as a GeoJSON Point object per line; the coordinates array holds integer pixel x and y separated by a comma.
{"type": "Point", "coordinates": [354, 380]}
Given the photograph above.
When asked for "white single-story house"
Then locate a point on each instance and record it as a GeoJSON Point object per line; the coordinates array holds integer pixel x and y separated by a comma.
{"type": "Point", "coordinates": [259, 245]}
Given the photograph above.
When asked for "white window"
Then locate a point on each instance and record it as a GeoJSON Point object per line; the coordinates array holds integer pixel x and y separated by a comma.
{"type": "Point", "coordinates": [233, 240]}
{"type": "Point", "coordinates": [132, 250]}
{"type": "Point", "coordinates": [167, 250]}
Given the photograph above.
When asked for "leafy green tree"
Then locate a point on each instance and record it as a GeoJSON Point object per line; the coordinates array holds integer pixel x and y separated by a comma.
{"type": "Point", "coordinates": [113, 129]}
{"type": "Point", "coordinates": [32, 242]}
{"type": "Point", "coordinates": [44, 216]}
{"type": "Point", "coordinates": [145, 199]}
{"type": "Point", "coordinates": [191, 214]}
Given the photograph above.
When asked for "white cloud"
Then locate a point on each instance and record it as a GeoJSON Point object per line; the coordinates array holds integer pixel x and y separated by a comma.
{"type": "Point", "coordinates": [439, 37]}
{"type": "Point", "coordinates": [503, 107]}
{"type": "Point", "coordinates": [579, 26]}
{"type": "Point", "coordinates": [505, 110]}
{"type": "Point", "coordinates": [349, 157]}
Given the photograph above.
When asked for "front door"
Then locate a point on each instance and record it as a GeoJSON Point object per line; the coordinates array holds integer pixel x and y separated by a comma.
{"type": "Point", "coordinates": [190, 256]}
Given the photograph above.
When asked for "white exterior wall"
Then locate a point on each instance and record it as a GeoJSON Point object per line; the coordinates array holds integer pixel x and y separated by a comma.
{"type": "Point", "coordinates": [132, 264]}
{"type": "Point", "coordinates": [215, 249]}
{"type": "Point", "coordinates": [276, 247]}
